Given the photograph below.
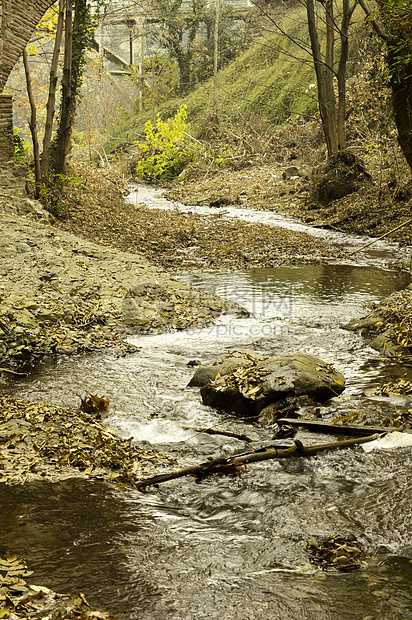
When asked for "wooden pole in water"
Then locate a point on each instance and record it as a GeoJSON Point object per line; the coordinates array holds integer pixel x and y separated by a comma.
{"type": "Point", "coordinates": [382, 236]}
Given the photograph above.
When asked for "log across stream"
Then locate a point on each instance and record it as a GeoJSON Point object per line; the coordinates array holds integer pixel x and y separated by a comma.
{"type": "Point", "coordinates": [228, 547]}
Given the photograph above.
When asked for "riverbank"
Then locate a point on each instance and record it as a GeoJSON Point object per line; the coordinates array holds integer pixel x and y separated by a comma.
{"type": "Point", "coordinates": [41, 442]}
{"type": "Point", "coordinates": [388, 326]}
{"type": "Point", "coordinates": [374, 210]}
{"type": "Point", "coordinates": [96, 210]}
{"type": "Point", "coordinates": [62, 294]}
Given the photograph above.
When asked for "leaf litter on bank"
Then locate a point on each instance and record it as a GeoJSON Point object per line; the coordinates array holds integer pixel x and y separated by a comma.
{"type": "Point", "coordinates": [176, 240]}
{"type": "Point", "coordinates": [20, 599]}
{"type": "Point", "coordinates": [41, 441]}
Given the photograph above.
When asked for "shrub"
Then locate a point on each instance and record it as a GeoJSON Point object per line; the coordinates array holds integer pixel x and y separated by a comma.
{"type": "Point", "coordinates": [21, 147]}
{"type": "Point", "coordinates": [168, 148]}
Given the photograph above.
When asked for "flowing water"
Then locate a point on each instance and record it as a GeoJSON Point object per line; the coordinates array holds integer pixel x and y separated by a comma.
{"type": "Point", "coordinates": [229, 548]}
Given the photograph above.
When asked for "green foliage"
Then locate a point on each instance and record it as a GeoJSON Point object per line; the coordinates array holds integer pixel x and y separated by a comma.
{"type": "Point", "coordinates": [266, 85]}
{"type": "Point", "coordinates": [396, 16]}
{"type": "Point", "coordinates": [21, 147]}
{"type": "Point", "coordinates": [266, 82]}
{"type": "Point", "coordinates": [168, 148]}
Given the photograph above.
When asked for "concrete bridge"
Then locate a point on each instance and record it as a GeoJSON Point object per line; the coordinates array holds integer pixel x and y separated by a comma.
{"type": "Point", "coordinates": [18, 19]}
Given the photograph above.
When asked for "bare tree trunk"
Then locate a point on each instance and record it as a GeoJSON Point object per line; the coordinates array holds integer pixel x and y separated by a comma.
{"type": "Point", "coordinates": [347, 13]}
{"type": "Point", "coordinates": [45, 158]}
{"type": "Point", "coordinates": [332, 113]}
{"type": "Point", "coordinates": [80, 41]}
{"type": "Point", "coordinates": [330, 99]}
{"type": "Point", "coordinates": [341, 75]}
{"type": "Point", "coordinates": [142, 42]}
{"type": "Point", "coordinates": [215, 58]}
{"type": "Point", "coordinates": [64, 133]}
{"type": "Point", "coordinates": [324, 73]}
{"type": "Point", "coordinates": [33, 124]}
{"type": "Point", "coordinates": [76, 41]}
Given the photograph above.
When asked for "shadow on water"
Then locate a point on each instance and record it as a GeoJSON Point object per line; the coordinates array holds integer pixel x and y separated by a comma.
{"type": "Point", "coordinates": [222, 548]}
{"type": "Point", "coordinates": [231, 548]}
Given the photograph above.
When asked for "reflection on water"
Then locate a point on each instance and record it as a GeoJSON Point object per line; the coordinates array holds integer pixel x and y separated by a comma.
{"type": "Point", "coordinates": [226, 548]}
{"type": "Point", "coordinates": [314, 292]}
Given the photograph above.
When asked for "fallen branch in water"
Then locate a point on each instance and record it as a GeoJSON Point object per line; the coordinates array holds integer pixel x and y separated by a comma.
{"type": "Point", "coordinates": [233, 464]}
{"type": "Point", "coordinates": [382, 236]}
{"type": "Point", "coordinates": [13, 373]}
{"type": "Point", "coordinates": [339, 429]}
{"type": "Point", "coordinates": [215, 431]}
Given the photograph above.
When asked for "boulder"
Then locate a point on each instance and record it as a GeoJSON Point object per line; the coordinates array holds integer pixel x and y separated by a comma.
{"type": "Point", "coordinates": [206, 373]}
{"type": "Point", "coordinates": [254, 384]}
{"type": "Point", "coordinates": [388, 324]}
{"type": "Point", "coordinates": [293, 172]}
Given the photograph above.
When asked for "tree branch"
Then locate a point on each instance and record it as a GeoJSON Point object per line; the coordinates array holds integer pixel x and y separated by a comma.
{"type": "Point", "coordinates": [233, 463]}
{"type": "Point", "coordinates": [375, 24]}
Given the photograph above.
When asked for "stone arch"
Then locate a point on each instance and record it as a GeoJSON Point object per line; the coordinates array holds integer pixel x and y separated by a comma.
{"type": "Point", "coordinates": [18, 19]}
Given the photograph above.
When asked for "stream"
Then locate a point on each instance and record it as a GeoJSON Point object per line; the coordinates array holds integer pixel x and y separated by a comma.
{"type": "Point", "coordinates": [230, 548]}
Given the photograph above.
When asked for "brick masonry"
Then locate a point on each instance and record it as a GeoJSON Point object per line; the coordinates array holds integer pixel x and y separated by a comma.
{"type": "Point", "coordinates": [18, 19]}
{"type": "Point", "coordinates": [6, 129]}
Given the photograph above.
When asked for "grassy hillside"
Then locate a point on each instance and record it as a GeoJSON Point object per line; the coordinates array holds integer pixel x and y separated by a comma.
{"type": "Point", "coordinates": [269, 83]}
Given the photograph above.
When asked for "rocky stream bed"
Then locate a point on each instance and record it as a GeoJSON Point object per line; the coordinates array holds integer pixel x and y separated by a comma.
{"type": "Point", "coordinates": [61, 295]}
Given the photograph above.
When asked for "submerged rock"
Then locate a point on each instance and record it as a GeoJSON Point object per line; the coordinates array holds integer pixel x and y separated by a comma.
{"type": "Point", "coordinates": [250, 384]}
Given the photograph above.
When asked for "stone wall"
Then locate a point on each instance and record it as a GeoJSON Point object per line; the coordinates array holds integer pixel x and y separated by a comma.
{"type": "Point", "coordinates": [6, 129]}
{"type": "Point", "coordinates": [18, 19]}
{"type": "Point", "coordinates": [12, 178]}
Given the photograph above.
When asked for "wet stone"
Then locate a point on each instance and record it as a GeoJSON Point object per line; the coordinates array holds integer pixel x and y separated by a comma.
{"type": "Point", "coordinates": [254, 384]}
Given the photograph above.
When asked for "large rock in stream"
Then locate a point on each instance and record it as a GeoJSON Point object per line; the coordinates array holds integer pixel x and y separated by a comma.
{"type": "Point", "coordinates": [245, 383]}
